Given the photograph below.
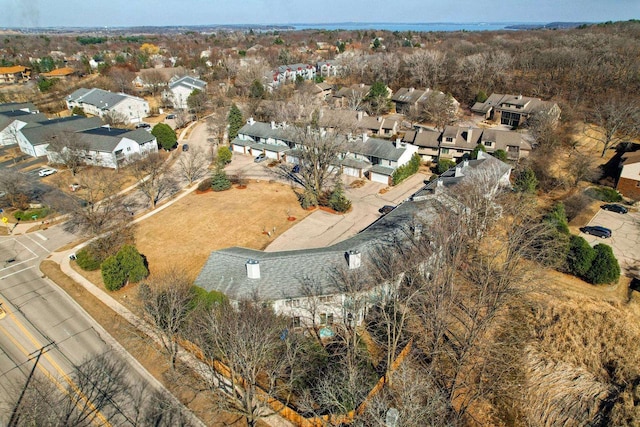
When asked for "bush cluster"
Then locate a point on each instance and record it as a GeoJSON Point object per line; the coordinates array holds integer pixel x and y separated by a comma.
{"type": "Point", "coordinates": [204, 185]}
{"type": "Point", "coordinates": [88, 260]}
{"type": "Point", "coordinates": [128, 265]}
{"type": "Point", "coordinates": [605, 194]}
{"type": "Point", "coordinates": [444, 165]}
{"type": "Point", "coordinates": [28, 214]}
{"type": "Point", "coordinates": [405, 171]}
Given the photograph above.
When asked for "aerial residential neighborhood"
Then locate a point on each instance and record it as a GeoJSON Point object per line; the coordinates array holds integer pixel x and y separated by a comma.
{"type": "Point", "coordinates": [357, 224]}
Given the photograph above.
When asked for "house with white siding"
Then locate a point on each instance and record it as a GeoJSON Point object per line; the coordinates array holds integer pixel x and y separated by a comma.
{"type": "Point", "coordinates": [306, 285]}
{"type": "Point", "coordinates": [98, 102]}
{"type": "Point", "coordinates": [180, 88]}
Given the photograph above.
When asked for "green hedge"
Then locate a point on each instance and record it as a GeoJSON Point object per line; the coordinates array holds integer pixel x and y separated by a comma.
{"type": "Point", "coordinates": [606, 194]}
{"type": "Point", "coordinates": [405, 171]}
{"type": "Point", "coordinates": [28, 214]}
{"type": "Point", "coordinates": [87, 260]}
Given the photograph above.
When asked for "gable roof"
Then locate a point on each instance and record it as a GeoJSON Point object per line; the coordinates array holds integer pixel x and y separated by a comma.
{"type": "Point", "coordinates": [425, 138]}
{"type": "Point", "coordinates": [40, 133]}
{"type": "Point", "coordinates": [8, 117]}
{"type": "Point", "coordinates": [106, 139]}
{"type": "Point", "coordinates": [59, 72]}
{"type": "Point", "coordinates": [282, 274]}
{"type": "Point", "coordinates": [188, 82]}
{"type": "Point", "coordinates": [18, 106]}
{"type": "Point", "coordinates": [99, 98]}
{"type": "Point", "coordinates": [409, 95]}
{"type": "Point", "coordinates": [13, 69]}
{"type": "Point", "coordinates": [517, 103]}
{"type": "Point", "coordinates": [631, 158]}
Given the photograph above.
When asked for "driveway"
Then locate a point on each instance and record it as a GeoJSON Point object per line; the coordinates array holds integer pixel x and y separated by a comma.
{"type": "Point", "coordinates": [321, 229]}
{"type": "Point", "coordinates": [625, 239]}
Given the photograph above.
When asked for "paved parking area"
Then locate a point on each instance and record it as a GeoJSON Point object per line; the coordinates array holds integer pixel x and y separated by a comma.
{"type": "Point", "coordinates": [625, 237]}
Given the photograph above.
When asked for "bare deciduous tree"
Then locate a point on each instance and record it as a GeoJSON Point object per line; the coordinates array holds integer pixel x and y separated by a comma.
{"type": "Point", "coordinates": [13, 184]}
{"type": "Point", "coordinates": [193, 164]}
{"type": "Point", "coordinates": [154, 80]}
{"type": "Point", "coordinates": [614, 120]}
{"type": "Point", "coordinates": [440, 110]}
{"type": "Point", "coordinates": [264, 358]}
{"type": "Point", "coordinates": [154, 177]}
{"type": "Point", "coordinates": [115, 118]}
{"type": "Point", "coordinates": [69, 149]}
{"type": "Point", "coordinates": [166, 303]}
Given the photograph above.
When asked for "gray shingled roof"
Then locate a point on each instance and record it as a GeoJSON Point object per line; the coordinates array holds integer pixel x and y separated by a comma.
{"type": "Point", "coordinates": [283, 273]}
{"type": "Point", "coordinates": [8, 117]}
{"type": "Point", "coordinates": [374, 147]}
{"type": "Point", "coordinates": [264, 130]}
{"type": "Point", "coordinates": [407, 95]}
{"type": "Point", "coordinates": [527, 104]}
{"type": "Point", "coordinates": [40, 133]}
{"type": "Point", "coordinates": [15, 106]}
{"type": "Point", "coordinates": [188, 82]}
{"type": "Point", "coordinates": [102, 99]}
{"type": "Point", "coordinates": [425, 138]}
{"type": "Point", "coordinates": [106, 139]}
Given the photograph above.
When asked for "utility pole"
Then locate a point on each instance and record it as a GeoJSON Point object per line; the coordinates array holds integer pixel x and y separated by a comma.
{"type": "Point", "coordinates": [14, 415]}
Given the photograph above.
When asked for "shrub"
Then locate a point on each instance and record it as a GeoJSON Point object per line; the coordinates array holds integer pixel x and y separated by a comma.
{"type": "Point", "coordinates": [558, 218]}
{"type": "Point", "coordinates": [113, 275]}
{"type": "Point", "coordinates": [30, 213]}
{"type": "Point", "coordinates": [605, 267]}
{"type": "Point", "coordinates": [87, 259]}
{"type": "Point", "coordinates": [338, 201]}
{"type": "Point", "coordinates": [224, 156]}
{"type": "Point", "coordinates": [405, 171]}
{"type": "Point", "coordinates": [308, 199]}
{"type": "Point", "coordinates": [500, 155]}
{"type": "Point", "coordinates": [526, 181]}
{"type": "Point", "coordinates": [206, 299]}
{"type": "Point", "coordinates": [444, 165]}
{"type": "Point", "coordinates": [606, 194]}
{"type": "Point", "coordinates": [128, 265]}
{"type": "Point", "coordinates": [204, 185]}
{"type": "Point", "coordinates": [133, 263]}
{"type": "Point", "coordinates": [580, 256]}
{"type": "Point", "coordinates": [575, 204]}
{"type": "Point", "coordinates": [219, 181]}
{"type": "Point", "coordinates": [165, 136]}
{"type": "Point", "coordinates": [481, 96]}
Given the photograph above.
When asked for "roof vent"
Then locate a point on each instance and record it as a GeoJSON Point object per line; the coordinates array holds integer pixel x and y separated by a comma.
{"type": "Point", "coordinates": [253, 269]}
{"type": "Point", "coordinates": [354, 259]}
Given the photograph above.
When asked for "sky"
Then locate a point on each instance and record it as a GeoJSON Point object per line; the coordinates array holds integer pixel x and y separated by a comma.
{"type": "Point", "coordinates": [123, 13]}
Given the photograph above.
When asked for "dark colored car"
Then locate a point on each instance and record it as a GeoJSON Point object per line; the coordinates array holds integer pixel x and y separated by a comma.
{"type": "Point", "coordinates": [615, 208]}
{"type": "Point", "coordinates": [386, 209]}
{"type": "Point", "coordinates": [171, 116]}
{"type": "Point", "coordinates": [596, 230]}
{"type": "Point", "coordinates": [143, 126]}
{"type": "Point", "coordinates": [185, 147]}
{"type": "Point", "coordinates": [296, 169]}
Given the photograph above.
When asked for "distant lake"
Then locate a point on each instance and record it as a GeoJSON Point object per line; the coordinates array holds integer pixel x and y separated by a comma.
{"type": "Point", "coordinates": [423, 27]}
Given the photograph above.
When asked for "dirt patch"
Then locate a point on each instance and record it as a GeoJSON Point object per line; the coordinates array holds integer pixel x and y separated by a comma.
{"type": "Point", "coordinates": [181, 384]}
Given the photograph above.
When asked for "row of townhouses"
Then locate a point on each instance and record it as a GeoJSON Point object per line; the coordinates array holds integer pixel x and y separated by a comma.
{"type": "Point", "coordinates": [301, 283]}
{"type": "Point", "coordinates": [102, 145]}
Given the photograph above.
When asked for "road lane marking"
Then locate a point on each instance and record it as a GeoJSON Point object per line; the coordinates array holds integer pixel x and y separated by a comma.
{"type": "Point", "coordinates": [28, 237]}
{"type": "Point", "coordinates": [41, 236]}
{"type": "Point", "coordinates": [16, 272]}
{"type": "Point", "coordinates": [55, 366]}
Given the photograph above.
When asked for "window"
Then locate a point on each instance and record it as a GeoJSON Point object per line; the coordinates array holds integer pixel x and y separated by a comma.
{"type": "Point", "coordinates": [448, 139]}
{"type": "Point", "coordinates": [459, 151]}
{"type": "Point", "coordinates": [128, 148]}
{"type": "Point", "coordinates": [445, 151]}
{"type": "Point", "coordinates": [330, 319]}
{"type": "Point", "coordinates": [488, 143]}
{"type": "Point", "coordinates": [295, 322]}
{"type": "Point", "coordinates": [323, 318]}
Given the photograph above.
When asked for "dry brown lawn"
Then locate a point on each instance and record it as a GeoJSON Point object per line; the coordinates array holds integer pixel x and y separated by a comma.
{"type": "Point", "coordinates": [185, 233]}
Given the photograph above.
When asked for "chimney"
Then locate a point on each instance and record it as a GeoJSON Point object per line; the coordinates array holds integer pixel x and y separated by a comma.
{"type": "Point", "coordinates": [417, 231]}
{"type": "Point", "coordinates": [469, 134]}
{"type": "Point", "coordinates": [411, 89]}
{"type": "Point", "coordinates": [379, 119]}
{"type": "Point", "coordinates": [354, 259]}
{"type": "Point", "coordinates": [253, 269]}
{"type": "Point", "coordinates": [273, 124]}
{"type": "Point", "coordinates": [420, 130]}
{"type": "Point", "coordinates": [458, 171]}
{"type": "Point", "coordinates": [465, 163]}
{"type": "Point", "coordinates": [360, 115]}
{"type": "Point", "coordinates": [361, 85]}
{"type": "Point", "coordinates": [250, 122]}
{"type": "Point", "coordinates": [519, 96]}
{"type": "Point", "coordinates": [398, 143]}
{"type": "Point", "coordinates": [439, 186]}
{"type": "Point", "coordinates": [365, 137]}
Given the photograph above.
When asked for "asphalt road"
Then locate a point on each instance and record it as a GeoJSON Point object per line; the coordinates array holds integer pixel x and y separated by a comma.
{"type": "Point", "coordinates": [40, 316]}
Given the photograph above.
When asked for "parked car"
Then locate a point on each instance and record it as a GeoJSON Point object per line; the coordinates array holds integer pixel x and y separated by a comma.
{"type": "Point", "coordinates": [185, 147]}
{"type": "Point", "coordinates": [47, 171]}
{"type": "Point", "coordinates": [596, 230]}
{"type": "Point", "coordinates": [386, 209]}
{"type": "Point", "coordinates": [260, 158]}
{"type": "Point", "coordinates": [74, 187]}
{"type": "Point", "coordinates": [296, 169]}
{"type": "Point", "coordinates": [615, 208]}
{"type": "Point", "coordinates": [143, 126]}
{"type": "Point", "coordinates": [171, 116]}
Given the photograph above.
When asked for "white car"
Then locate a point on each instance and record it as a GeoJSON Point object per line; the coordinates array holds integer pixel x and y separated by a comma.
{"type": "Point", "coordinates": [47, 172]}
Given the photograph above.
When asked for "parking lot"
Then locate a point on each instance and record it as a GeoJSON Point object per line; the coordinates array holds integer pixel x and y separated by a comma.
{"type": "Point", "coordinates": [625, 237]}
